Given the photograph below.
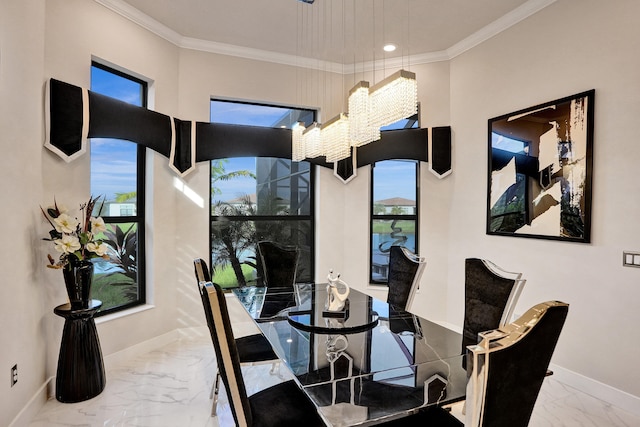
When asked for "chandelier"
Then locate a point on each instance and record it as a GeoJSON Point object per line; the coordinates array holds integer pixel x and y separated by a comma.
{"type": "Point", "coordinates": [369, 109]}
{"type": "Point", "coordinates": [394, 98]}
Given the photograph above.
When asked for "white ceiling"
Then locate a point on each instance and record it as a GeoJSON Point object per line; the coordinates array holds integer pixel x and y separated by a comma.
{"type": "Point", "coordinates": [290, 31]}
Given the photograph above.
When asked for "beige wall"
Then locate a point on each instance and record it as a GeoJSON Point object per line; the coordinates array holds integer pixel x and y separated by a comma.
{"type": "Point", "coordinates": [76, 32]}
{"type": "Point", "coordinates": [58, 39]}
{"type": "Point", "coordinates": [571, 46]}
{"type": "Point", "coordinates": [567, 48]}
{"type": "Point", "coordinates": [22, 293]}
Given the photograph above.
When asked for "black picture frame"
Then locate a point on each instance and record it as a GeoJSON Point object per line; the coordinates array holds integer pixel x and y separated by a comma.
{"type": "Point", "coordinates": [540, 170]}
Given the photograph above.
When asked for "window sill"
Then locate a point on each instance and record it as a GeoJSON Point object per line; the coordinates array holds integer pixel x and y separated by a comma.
{"type": "Point", "coordinates": [123, 313]}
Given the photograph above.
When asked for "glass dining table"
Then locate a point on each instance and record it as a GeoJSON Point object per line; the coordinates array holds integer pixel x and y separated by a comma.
{"type": "Point", "coordinates": [366, 364]}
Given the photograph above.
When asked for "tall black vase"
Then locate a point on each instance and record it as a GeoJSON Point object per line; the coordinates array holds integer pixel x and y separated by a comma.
{"type": "Point", "coordinates": [78, 275]}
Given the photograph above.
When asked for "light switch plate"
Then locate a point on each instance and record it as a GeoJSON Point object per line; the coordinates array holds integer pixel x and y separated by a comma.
{"type": "Point", "coordinates": [631, 259]}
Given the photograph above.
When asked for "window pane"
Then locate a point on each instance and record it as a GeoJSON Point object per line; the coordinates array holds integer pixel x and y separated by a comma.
{"type": "Point", "coordinates": [116, 86]}
{"type": "Point", "coordinates": [119, 281]}
{"type": "Point", "coordinates": [115, 279]}
{"type": "Point", "coordinates": [387, 233]}
{"type": "Point", "coordinates": [394, 187]}
{"type": "Point", "coordinates": [113, 161]}
{"type": "Point", "coordinates": [113, 175]}
{"type": "Point", "coordinates": [272, 186]}
{"type": "Point", "coordinates": [394, 207]}
{"type": "Point", "coordinates": [233, 246]}
{"type": "Point", "coordinates": [240, 113]}
{"type": "Point", "coordinates": [247, 194]}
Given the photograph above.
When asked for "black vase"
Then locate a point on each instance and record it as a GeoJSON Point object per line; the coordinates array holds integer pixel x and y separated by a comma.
{"type": "Point", "coordinates": [78, 275]}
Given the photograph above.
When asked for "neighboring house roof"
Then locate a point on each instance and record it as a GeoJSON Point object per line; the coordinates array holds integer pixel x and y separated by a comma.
{"type": "Point", "coordinates": [252, 198]}
{"type": "Point", "coordinates": [396, 201]}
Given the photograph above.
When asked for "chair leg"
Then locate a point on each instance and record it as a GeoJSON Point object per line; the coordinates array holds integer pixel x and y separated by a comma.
{"type": "Point", "coordinates": [214, 391]}
{"type": "Point", "coordinates": [275, 367]}
{"type": "Point", "coordinates": [213, 388]}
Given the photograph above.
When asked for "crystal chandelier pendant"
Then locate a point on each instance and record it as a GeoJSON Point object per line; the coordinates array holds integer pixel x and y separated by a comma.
{"type": "Point", "coordinates": [335, 138]}
{"type": "Point", "coordinates": [312, 141]}
{"type": "Point", "coordinates": [360, 130]}
{"type": "Point", "coordinates": [394, 98]}
{"type": "Point", "coordinates": [297, 145]}
{"type": "Point", "coordinates": [370, 109]}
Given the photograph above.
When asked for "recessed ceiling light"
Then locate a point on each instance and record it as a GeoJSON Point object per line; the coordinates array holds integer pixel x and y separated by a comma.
{"type": "Point", "coordinates": [389, 47]}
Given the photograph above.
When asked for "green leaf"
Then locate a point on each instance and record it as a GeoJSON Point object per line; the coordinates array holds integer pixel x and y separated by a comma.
{"type": "Point", "coordinates": [84, 238]}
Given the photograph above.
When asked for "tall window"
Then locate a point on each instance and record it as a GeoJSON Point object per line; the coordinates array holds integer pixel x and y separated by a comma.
{"type": "Point", "coordinates": [257, 198]}
{"type": "Point", "coordinates": [394, 207]}
{"type": "Point", "coordinates": [117, 174]}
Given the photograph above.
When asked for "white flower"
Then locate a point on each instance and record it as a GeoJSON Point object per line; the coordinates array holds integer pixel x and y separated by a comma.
{"type": "Point", "coordinates": [66, 224]}
{"type": "Point", "coordinates": [67, 245]}
{"type": "Point", "coordinates": [61, 208]}
{"type": "Point", "coordinates": [98, 248]}
{"type": "Point", "coordinates": [97, 225]}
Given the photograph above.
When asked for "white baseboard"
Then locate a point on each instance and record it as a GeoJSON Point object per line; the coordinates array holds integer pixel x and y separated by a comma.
{"type": "Point", "coordinates": [604, 392]}
{"type": "Point", "coordinates": [33, 406]}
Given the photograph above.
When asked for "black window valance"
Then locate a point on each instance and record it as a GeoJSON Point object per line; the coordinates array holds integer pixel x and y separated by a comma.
{"type": "Point", "coordinates": [74, 114]}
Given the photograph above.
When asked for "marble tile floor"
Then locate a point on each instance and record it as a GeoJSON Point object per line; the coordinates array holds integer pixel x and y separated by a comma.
{"type": "Point", "coordinates": [170, 387]}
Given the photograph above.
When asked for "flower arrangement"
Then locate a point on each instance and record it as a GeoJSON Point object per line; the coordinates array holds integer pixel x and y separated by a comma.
{"type": "Point", "coordinates": [75, 239]}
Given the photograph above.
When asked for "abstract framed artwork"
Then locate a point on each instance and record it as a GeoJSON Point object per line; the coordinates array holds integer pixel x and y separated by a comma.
{"type": "Point", "coordinates": [540, 169]}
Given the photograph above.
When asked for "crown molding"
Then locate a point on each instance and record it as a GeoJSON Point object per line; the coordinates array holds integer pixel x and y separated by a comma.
{"type": "Point", "coordinates": [496, 27]}
{"type": "Point", "coordinates": [145, 21]}
{"type": "Point", "coordinates": [501, 24]}
{"type": "Point", "coordinates": [260, 55]}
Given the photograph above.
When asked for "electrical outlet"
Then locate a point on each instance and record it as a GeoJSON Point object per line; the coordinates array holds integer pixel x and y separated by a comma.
{"type": "Point", "coordinates": [14, 374]}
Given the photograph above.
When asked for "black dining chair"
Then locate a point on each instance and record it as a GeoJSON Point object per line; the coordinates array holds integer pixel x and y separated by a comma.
{"type": "Point", "coordinates": [491, 294]}
{"type": "Point", "coordinates": [251, 348]}
{"type": "Point", "coordinates": [405, 271]}
{"type": "Point", "coordinates": [509, 365]}
{"type": "Point", "coordinates": [281, 405]}
{"type": "Point", "coordinates": [279, 264]}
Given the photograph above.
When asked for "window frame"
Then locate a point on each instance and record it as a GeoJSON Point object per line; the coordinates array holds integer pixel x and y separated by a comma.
{"type": "Point", "coordinates": [140, 217]}
{"type": "Point", "coordinates": [266, 218]}
{"type": "Point", "coordinates": [411, 122]}
{"type": "Point", "coordinates": [390, 217]}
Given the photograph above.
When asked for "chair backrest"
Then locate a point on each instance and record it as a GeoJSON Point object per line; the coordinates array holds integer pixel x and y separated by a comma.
{"type": "Point", "coordinates": [202, 271]}
{"type": "Point", "coordinates": [509, 365]}
{"type": "Point", "coordinates": [405, 271]}
{"type": "Point", "coordinates": [490, 297]}
{"type": "Point", "coordinates": [279, 263]}
{"type": "Point", "coordinates": [215, 306]}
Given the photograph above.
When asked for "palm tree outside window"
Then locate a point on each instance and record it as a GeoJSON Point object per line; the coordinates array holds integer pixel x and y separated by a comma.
{"type": "Point", "coordinates": [255, 199]}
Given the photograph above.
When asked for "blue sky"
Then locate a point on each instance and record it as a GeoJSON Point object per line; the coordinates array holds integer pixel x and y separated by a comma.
{"type": "Point", "coordinates": [246, 114]}
{"type": "Point", "coordinates": [113, 162]}
{"type": "Point", "coordinates": [394, 178]}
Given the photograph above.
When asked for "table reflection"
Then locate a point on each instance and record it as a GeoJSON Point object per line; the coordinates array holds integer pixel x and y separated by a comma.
{"type": "Point", "coordinates": [311, 313]}
{"type": "Point", "coordinates": [399, 364]}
